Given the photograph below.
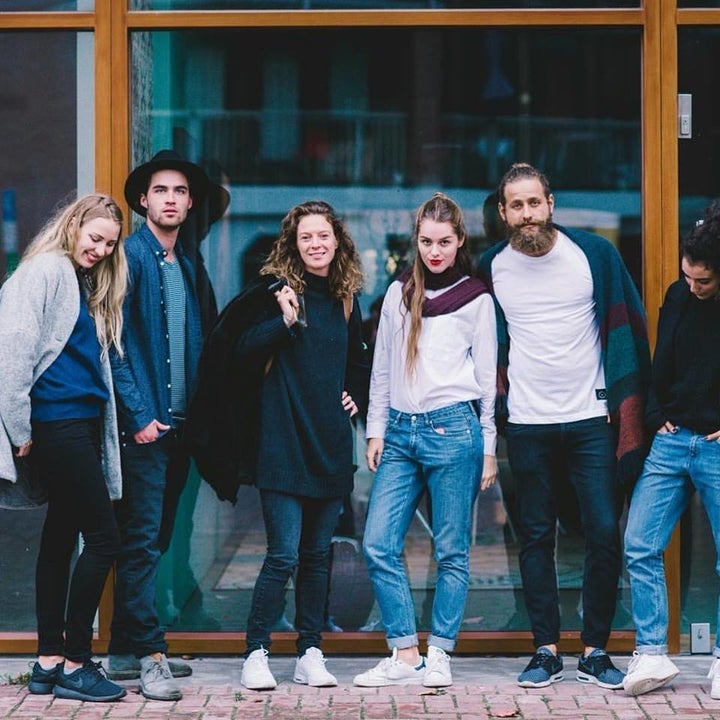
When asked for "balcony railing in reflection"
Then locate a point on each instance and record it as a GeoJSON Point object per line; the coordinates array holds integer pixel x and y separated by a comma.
{"type": "Point", "coordinates": [378, 149]}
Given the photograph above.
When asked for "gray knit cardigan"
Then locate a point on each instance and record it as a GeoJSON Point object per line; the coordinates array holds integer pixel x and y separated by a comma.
{"type": "Point", "coordinates": [39, 306]}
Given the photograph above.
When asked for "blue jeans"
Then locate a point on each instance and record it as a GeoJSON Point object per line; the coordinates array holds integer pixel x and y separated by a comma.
{"type": "Point", "coordinates": [441, 451]}
{"type": "Point", "coordinates": [299, 533]}
{"type": "Point", "coordinates": [584, 452]}
{"type": "Point", "coordinates": [678, 464]}
{"type": "Point", "coordinates": [135, 627]}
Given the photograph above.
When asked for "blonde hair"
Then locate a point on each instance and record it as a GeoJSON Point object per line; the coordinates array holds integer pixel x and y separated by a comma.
{"type": "Point", "coordinates": [439, 208]}
{"type": "Point", "coordinates": [107, 279]}
{"type": "Point", "coordinates": [345, 274]}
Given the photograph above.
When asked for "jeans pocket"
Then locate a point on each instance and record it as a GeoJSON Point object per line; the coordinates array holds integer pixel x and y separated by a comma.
{"type": "Point", "coordinates": [452, 425]}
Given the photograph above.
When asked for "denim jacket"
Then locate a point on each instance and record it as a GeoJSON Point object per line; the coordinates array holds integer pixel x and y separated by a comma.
{"type": "Point", "coordinates": [142, 375]}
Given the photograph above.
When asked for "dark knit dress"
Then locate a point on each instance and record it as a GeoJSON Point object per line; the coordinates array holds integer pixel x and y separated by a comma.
{"type": "Point", "coordinates": [306, 444]}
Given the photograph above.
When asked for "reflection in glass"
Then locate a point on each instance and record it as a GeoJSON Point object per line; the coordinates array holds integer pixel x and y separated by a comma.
{"type": "Point", "coordinates": [372, 121]}
{"type": "Point", "coordinates": [48, 5]}
{"type": "Point", "coordinates": [40, 167]}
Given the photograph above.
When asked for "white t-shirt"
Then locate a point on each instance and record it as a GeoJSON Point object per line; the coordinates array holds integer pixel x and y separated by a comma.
{"type": "Point", "coordinates": [457, 362]}
{"type": "Point", "coordinates": [555, 370]}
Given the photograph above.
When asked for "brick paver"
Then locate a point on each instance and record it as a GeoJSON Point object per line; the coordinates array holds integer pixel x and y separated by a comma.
{"type": "Point", "coordinates": [484, 690]}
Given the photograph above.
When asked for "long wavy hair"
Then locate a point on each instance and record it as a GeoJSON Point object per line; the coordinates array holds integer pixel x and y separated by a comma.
{"type": "Point", "coordinates": [345, 275]}
{"type": "Point", "coordinates": [442, 209]}
{"type": "Point", "coordinates": [107, 279]}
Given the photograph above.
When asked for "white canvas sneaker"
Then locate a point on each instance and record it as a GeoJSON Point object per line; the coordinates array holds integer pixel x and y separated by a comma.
{"type": "Point", "coordinates": [648, 672]}
{"type": "Point", "coordinates": [255, 673]}
{"type": "Point", "coordinates": [310, 670]}
{"type": "Point", "coordinates": [391, 671]}
{"type": "Point", "coordinates": [714, 675]}
{"type": "Point", "coordinates": [437, 668]}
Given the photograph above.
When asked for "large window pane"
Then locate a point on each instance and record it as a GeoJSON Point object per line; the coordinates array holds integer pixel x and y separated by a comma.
{"type": "Point", "coordinates": [374, 121]}
{"type": "Point", "coordinates": [47, 5]}
{"type": "Point", "coordinates": [46, 156]}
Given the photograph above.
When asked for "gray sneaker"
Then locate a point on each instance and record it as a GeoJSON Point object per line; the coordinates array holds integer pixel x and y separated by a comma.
{"type": "Point", "coordinates": [156, 680]}
{"type": "Point", "coordinates": [127, 667]}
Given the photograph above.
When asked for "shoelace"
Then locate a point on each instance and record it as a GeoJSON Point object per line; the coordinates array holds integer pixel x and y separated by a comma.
{"type": "Point", "coordinates": [599, 663]}
{"type": "Point", "coordinates": [158, 671]}
{"type": "Point", "coordinates": [540, 660]}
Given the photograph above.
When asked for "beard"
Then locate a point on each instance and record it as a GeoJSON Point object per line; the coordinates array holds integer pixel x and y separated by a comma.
{"type": "Point", "coordinates": [535, 243]}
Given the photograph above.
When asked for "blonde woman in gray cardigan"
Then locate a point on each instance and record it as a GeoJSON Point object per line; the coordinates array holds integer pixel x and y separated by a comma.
{"type": "Point", "coordinates": [60, 312]}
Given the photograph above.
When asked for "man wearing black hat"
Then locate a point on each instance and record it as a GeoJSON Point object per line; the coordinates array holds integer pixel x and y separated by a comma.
{"type": "Point", "coordinates": [162, 338]}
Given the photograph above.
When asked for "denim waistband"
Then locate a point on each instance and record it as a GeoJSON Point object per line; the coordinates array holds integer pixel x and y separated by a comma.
{"type": "Point", "coordinates": [461, 408]}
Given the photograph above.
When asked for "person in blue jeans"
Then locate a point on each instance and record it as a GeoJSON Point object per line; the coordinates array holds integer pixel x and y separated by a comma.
{"type": "Point", "coordinates": [298, 372]}
{"type": "Point", "coordinates": [154, 378]}
{"type": "Point", "coordinates": [683, 412]}
{"type": "Point", "coordinates": [573, 364]}
{"type": "Point", "coordinates": [430, 428]}
{"type": "Point", "coordinates": [60, 313]}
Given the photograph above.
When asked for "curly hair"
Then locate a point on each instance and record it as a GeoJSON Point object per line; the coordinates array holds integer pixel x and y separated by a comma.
{"type": "Point", "coordinates": [107, 280]}
{"type": "Point", "coordinates": [702, 244]}
{"type": "Point", "coordinates": [345, 273]}
{"type": "Point", "coordinates": [442, 209]}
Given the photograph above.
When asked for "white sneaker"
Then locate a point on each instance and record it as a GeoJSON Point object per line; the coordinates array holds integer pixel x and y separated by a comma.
{"type": "Point", "coordinates": [310, 670]}
{"type": "Point", "coordinates": [437, 668]}
{"type": "Point", "coordinates": [648, 672]}
{"type": "Point", "coordinates": [714, 675]}
{"type": "Point", "coordinates": [255, 673]}
{"type": "Point", "coordinates": [391, 671]}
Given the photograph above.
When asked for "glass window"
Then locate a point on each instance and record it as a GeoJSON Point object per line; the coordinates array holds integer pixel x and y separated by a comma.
{"type": "Point", "coordinates": [374, 121]}
{"type": "Point", "coordinates": [46, 106]}
{"type": "Point", "coordinates": [48, 5]}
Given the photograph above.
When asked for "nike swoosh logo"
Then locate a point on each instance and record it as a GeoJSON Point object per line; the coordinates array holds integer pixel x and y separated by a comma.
{"type": "Point", "coordinates": [73, 682]}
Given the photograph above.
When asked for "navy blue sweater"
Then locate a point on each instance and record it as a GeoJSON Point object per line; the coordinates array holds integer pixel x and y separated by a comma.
{"type": "Point", "coordinates": [306, 440]}
{"type": "Point", "coordinates": [72, 387]}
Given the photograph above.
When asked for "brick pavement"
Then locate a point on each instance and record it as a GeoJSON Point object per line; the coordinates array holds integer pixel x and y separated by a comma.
{"type": "Point", "coordinates": [484, 689]}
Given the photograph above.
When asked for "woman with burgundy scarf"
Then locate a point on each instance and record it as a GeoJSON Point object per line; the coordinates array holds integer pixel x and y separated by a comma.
{"type": "Point", "coordinates": [430, 427]}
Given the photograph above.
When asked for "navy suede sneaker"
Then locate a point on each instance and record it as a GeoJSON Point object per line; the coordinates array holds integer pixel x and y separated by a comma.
{"type": "Point", "coordinates": [88, 683]}
{"type": "Point", "coordinates": [43, 681]}
{"type": "Point", "coordinates": [598, 668]}
{"type": "Point", "coordinates": [544, 668]}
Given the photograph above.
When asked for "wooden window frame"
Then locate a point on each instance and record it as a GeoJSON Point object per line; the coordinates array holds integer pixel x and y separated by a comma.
{"type": "Point", "coordinates": [112, 23]}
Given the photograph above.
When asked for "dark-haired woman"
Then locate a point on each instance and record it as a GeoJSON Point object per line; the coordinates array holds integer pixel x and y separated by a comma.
{"type": "Point", "coordinates": [683, 412]}
{"type": "Point", "coordinates": [430, 427]}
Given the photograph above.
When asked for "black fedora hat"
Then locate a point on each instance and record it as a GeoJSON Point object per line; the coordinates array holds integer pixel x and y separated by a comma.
{"type": "Point", "coordinates": [218, 199]}
{"type": "Point", "coordinates": [138, 180]}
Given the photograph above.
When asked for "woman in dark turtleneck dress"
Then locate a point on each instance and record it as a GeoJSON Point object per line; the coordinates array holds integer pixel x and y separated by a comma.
{"type": "Point", "coordinates": [315, 380]}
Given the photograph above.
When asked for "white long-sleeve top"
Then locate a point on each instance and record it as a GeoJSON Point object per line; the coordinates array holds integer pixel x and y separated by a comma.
{"type": "Point", "coordinates": [456, 362]}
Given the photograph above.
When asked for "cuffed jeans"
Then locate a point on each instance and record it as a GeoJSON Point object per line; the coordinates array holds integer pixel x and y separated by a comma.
{"type": "Point", "coordinates": [678, 464]}
{"type": "Point", "coordinates": [135, 628]}
{"type": "Point", "coordinates": [68, 454]}
{"type": "Point", "coordinates": [584, 451]}
{"type": "Point", "coordinates": [299, 534]}
{"type": "Point", "coordinates": [441, 451]}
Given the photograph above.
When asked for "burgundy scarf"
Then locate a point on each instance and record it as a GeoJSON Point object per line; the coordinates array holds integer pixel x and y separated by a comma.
{"type": "Point", "coordinates": [449, 301]}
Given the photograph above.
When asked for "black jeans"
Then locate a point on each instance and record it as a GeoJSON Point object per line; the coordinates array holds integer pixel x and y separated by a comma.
{"type": "Point", "coordinates": [584, 452]}
{"type": "Point", "coordinates": [299, 534]}
{"type": "Point", "coordinates": [68, 454]}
